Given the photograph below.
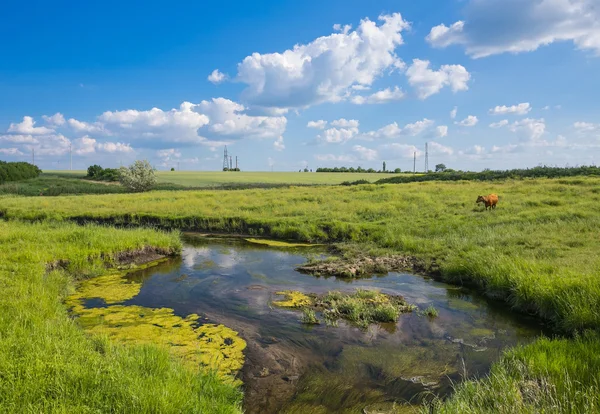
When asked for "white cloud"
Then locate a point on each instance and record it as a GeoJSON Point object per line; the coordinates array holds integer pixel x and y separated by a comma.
{"type": "Point", "coordinates": [114, 147]}
{"type": "Point", "coordinates": [334, 158]}
{"type": "Point", "coordinates": [88, 145]}
{"type": "Point", "coordinates": [27, 127]}
{"type": "Point", "coordinates": [168, 153]}
{"type": "Point", "coordinates": [586, 126]}
{"type": "Point", "coordinates": [428, 82]}
{"type": "Point", "coordinates": [10, 151]}
{"type": "Point", "coordinates": [499, 124]}
{"type": "Point", "coordinates": [393, 130]}
{"type": "Point", "coordinates": [380, 97]}
{"type": "Point", "coordinates": [55, 120]}
{"type": "Point", "coordinates": [345, 123]}
{"type": "Point", "coordinates": [469, 121]}
{"type": "Point", "coordinates": [441, 131]}
{"type": "Point", "coordinates": [216, 77]}
{"type": "Point", "coordinates": [454, 112]}
{"type": "Point", "coordinates": [278, 144]}
{"type": "Point", "coordinates": [531, 129]}
{"type": "Point", "coordinates": [364, 153]}
{"type": "Point", "coordinates": [19, 139]}
{"type": "Point", "coordinates": [320, 124]}
{"type": "Point", "coordinates": [396, 151]}
{"type": "Point", "coordinates": [80, 126]}
{"type": "Point", "coordinates": [520, 109]}
{"type": "Point", "coordinates": [436, 148]}
{"type": "Point", "coordinates": [499, 26]}
{"type": "Point", "coordinates": [337, 135]}
{"type": "Point", "coordinates": [325, 69]}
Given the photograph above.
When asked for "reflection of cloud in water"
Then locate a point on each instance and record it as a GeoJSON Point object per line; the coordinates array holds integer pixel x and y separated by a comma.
{"type": "Point", "coordinates": [228, 261]}
{"type": "Point", "coordinates": [190, 254]}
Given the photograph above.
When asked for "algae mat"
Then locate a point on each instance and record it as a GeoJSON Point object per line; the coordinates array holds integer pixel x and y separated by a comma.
{"type": "Point", "coordinates": [212, 346]}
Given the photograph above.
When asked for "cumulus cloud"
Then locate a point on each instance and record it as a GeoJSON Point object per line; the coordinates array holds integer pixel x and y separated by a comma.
{"type": "Point", "coordinates": [520, 109]}
{"type": "Point", "coordinates": [345, 123]}
{"type": "Point", "coordinates": [441, 131]}
{"type": "Point", "coordinates": [326, 69]}
{"type": "Point", "coordinates": [469, 121]}
{"type": "Point", "coordinates": [55, 120]}
{"type": "Point", "coordinates": [499, 124]}
{"type": "Point", "coordinates": [436, 148]}
{"type": "Point", "coordinates": [380, 97]}
{"type": "Point", "coordinates": [499, 26]}
{"type": "Point", "coordinates": [364, 153]}
{"type": "Point", "coordinates": [528, 128]}
{"type": "Point", "coordinates": [10, 151]}
{"type": "Point", "coordinates": [27, 126]}
{"type": "Point", "coordinates": [396, 151]}
{"type": "Point", "coordinates": [428, 82]}
{"type": "Point", "coordinates": [80, 126]}
{"type": "Point", "coordinates": [88, 145]}
{"type": "Point", "coordinates": [216, 77]}
{"type": "Point", "coordinates": [454, 112]}
{"type": "Point", "coordinates": [393, 130]}
{"type": "Point", "coordinates": [586, 126]}
{"type": "Point", "coordinates": [278, 144]}
{"type": "Point", "coordinates": [337, 135]}
{"type": "Point", "coordinates": [320, 124]}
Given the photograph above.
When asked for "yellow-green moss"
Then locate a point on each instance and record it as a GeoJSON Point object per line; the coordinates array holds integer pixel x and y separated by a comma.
{"type": "Point", "coordinates": [293, 299]}
{"type": "Point", "coordinates": [213, 346]}
{"type": "Point", "coordinates": [277, 243]}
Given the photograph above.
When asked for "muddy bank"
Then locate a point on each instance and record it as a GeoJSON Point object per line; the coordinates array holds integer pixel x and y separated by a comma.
{"type": "Point", "coordinates": [363, 266]}
{"type": "Point", "coordinates": [132, 259]}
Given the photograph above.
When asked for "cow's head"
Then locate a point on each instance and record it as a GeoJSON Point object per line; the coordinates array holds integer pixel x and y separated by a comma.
{"type": "Point", "coordinates": [480, 199]}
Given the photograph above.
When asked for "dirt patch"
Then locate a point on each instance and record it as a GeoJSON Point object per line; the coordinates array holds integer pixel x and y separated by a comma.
{"type": "Point", "coordinates": [361, 266]}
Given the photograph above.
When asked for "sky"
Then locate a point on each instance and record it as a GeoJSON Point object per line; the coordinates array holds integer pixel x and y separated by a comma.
{"type": "Point", "coordinates": [286, 85]}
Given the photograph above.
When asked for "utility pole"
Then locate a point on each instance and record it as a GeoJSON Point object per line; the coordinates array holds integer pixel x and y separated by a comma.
{"type": "Point", "coordinates": [415, 162]}
{"type": "Point", "coordinates": [426, 159]}
{"type": "Point", "coordinates": [70, 157]}
{"type": "Point", "coordinates": [33, 156]}
{"type": "Point", "coordinates": [236, 163]}
{"type": "Point", "coordinates": [230, 163]}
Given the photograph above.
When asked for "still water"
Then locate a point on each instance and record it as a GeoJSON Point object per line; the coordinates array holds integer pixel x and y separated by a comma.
{"type": "Point", "coordinates": [294, 368]}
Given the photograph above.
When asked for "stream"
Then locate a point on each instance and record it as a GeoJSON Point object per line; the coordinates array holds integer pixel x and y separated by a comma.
{"type": "Point", "coordinates": [295, 368]}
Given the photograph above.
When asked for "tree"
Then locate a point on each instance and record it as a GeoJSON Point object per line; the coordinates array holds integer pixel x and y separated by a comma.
{"type": "Point", "coordinates": [440, 168]}
{"type": "Point", "coordinates": [397, 170]}
{"type": "Point", "coordinates": [384, 166]}
{"type": "Point", "coordinates": [138, 177]}
{"type": "Point", "coordinates": [94, 171]}
{"type": "Point", "coordinates": [172, 169]}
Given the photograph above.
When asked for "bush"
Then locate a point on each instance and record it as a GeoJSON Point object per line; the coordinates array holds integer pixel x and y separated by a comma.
{"type": "Point", "coordinates": [94, 171]}
{"type": "Point", "coordinates": [138, 177]}
{"type": "Point", "coordinates": [14, 171]}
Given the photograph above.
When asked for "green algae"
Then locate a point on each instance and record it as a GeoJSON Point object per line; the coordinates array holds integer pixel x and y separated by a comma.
{"type": "Point", "coordinates": [212, 346]}
{"type": "Point", "coordinates": [205, 265]}
{"type": "Point", "coordinates": [277, 243]}
{"type": "Point", "coordinates": [293, 299]}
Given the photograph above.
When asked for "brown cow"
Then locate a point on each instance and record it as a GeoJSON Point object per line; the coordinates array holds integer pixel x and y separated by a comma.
{"type": "Point", "coordinates": [489, 200]}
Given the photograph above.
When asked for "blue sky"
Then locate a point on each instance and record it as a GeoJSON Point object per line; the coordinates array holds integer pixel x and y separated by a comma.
{"type": "Point", "coordinates": [486, 83]}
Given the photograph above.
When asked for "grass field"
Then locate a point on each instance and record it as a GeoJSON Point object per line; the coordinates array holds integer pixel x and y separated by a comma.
{"type": "Point", "coordinates": [48, 364]}
{"type": "Point", "coordinates": [217, 178]}
{"type": "Point", "coordinates": [539, 251]}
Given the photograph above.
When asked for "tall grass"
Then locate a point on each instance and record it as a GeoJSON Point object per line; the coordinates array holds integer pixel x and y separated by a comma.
{"type": "Point", "coordinates": [48, 364]}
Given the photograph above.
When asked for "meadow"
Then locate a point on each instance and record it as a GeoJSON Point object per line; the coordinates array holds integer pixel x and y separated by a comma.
{"type": "Point", "coordinates": [537, 252]}
{"type": "Point", "coordinates": [200, 179]}
{"type": "Point", "coordinates": [47, 362]}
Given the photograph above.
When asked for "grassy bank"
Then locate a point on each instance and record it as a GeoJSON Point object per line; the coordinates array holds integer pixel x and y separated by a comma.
{"type": "Point", "coordinates": [48, 363]}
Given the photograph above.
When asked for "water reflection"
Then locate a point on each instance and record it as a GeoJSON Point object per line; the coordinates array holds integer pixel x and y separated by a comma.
{"type": "Point", "coordinates": [294, 368]}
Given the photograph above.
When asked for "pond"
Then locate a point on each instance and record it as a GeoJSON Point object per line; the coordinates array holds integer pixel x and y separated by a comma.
{"type": "Point", "coordinates": [291, 367]}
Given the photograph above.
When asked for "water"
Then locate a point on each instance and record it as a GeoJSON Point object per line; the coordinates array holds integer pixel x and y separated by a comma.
{"type": "Point", "coordinates": [294, 368]}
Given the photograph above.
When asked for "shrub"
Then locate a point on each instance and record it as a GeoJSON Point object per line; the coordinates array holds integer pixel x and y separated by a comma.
{"type": "Point", "coordinates": [138, 177]}
{"type": "Point", "coordinates": [309, 317]}
{"type": "Point", "coordinates": [14, 171]}
{"type": "Point", "coordinates": [94, 171]}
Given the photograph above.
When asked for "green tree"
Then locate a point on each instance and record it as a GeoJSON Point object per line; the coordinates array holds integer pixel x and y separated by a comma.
{"type": "Point", "coordinates": [384, 166]}
{"type": "Point", "coordinates": [440, 168]}
{"type": "Point", "coordinates": [138, 177]}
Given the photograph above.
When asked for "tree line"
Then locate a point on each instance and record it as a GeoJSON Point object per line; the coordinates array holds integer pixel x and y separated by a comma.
{"type": "Point", "coordinates": [13, 171]}
{"type": "Point", "coordinates": [358, 170]}
{"type": "Point", "coordinates": [491, 175]}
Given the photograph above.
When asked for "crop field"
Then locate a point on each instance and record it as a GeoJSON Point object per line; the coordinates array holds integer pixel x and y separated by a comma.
{"type": "Point", "coordinates": [197, 179]}
{"type": "Point", "coordinates": [538, 252]}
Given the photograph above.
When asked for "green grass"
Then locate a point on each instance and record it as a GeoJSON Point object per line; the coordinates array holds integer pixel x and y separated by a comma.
{"type": "Point", "coordinates": [548, 376]}
{"type": "Point", "coordinates": [538, 252]}
{"type": "Point", "coordinates": [51, 185]}
{"type": "Point", "coordinates": [197, 179]}
{"type": "Point", "coordinates": [48, 364]}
